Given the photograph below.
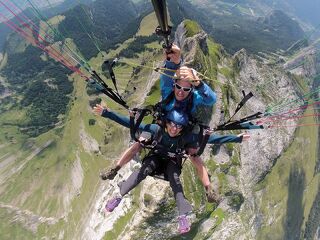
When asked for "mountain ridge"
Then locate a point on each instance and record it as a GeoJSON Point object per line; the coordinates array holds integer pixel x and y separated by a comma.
{"type": "Point", "coordinates": [68, 168]}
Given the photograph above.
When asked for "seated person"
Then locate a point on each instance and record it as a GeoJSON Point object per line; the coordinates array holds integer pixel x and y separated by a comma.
{"type": "Point", "coordinates": [165, 157]}
{"type": "Point", "coordinates": [185, 93]}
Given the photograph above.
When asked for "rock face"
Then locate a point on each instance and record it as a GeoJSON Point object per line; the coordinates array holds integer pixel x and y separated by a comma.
{"type": "Point", "coordinates": [306, 62]}
{"type": "Point", "coordinates": [280, 22]}
{"type": "Point", "coordinates": [258, 156]}
{"type": "Point", "coordinates": [255, 158]}
{"type": "Point", "coordinates": [189, 45]}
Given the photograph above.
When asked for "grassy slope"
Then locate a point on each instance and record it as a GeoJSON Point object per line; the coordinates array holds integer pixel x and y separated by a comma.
{"type": "Point", "coordinates": [50, 170]}
{"type": "Point", "coordinates": [148, 25]}
{"type": "Point", "coordinates": [44, 181]}
{"type": "Point", "coordinates": [291, 187]}
{"type": "Point", "coordinates": [193, 188]}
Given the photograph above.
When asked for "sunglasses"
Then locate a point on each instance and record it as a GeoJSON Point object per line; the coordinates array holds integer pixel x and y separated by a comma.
{"type": "Point", "coordinates": [185, 89]}
{"type": "Point", "coordinates": [178, 126]}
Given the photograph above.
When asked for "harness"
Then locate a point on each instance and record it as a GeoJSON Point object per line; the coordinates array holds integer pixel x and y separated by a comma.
{"type": "Point", "coordinates": [153, 144]}
{"type": "Point", "coordinates": [177, 157]}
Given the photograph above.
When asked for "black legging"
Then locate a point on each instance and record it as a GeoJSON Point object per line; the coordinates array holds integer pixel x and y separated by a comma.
{"type": "Point", "coordinates": [171, 169]}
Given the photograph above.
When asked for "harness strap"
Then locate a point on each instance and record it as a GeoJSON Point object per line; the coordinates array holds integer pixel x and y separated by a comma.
{"type": "Point", "coordinates": [240, 123]}
{"type": "Point", "coordinates": [203, 142]}
{"type": "Point", "coordinates": [134, 125]}
{"type": "Point", "coordinates": [242, 103]}
{"type": "Point", "coordinates": [104, 88]}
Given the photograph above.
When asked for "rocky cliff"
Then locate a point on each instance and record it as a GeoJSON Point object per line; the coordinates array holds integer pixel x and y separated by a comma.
{"type": "Point", "coordinates": [237, 171]}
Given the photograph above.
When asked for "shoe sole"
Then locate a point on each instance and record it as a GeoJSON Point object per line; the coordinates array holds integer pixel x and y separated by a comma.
{"type": "Point", "coordinates": [184, 231]}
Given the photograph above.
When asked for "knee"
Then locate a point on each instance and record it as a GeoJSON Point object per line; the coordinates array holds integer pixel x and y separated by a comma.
{"type": "Point", "coordinates": [174, 179]}
{"type": "Point", "coordinates": [147, 168]}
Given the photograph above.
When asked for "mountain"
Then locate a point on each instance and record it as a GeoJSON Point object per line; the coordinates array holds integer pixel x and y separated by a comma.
{"type": "Point", "coordinates": [304, 12]}
{"type": "Point", "coordinates": [237, 24]}
{"type": "Point", "coordinates": [44, 91]}
{"type": "Point", "coordinates": [49, 183]}
{"type": "Point", "coordinates": [41, 4]}
{"type": "Point", "coordinates": [108, 22]}
{"type": "Point", "coordinates": [307, 10]}
{"type": "Point", "coordinates": [48, 8]}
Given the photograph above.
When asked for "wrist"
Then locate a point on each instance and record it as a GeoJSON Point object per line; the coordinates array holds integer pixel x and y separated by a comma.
{"type": "Point", "coordinates": [172, 65]}
{"type": "Point", "coordinates": [198, 84]}
{"type": "Point", "coordinates": [104, 112]}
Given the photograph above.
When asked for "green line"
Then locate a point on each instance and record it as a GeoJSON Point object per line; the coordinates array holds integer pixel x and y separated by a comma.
{"type": "Point", "coordinates": [94, 37]}
{"type": "Point", "coordinates": [40, 17]}
{"type": "Point", "coordinates": [293, 107]}
{"type": "Point", "coordinates": [84, 29]}
{"type": "Point", "coordinates": [56, 31]}
{"type": "Point", "coordinates": [305, 96]}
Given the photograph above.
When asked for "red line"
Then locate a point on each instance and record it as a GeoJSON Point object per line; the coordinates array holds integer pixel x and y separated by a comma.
{"type": "Point", "coordinates": [38, 36]}
{"type": "Point", "coordinates": [25, 17]}
{"type": "Point", "coordinates": [298, 125]}
{"type": "Point", "coordinates": [25, 35]}
{"type": "Point", "coordinates": [265, 119]}
{"type": "Point", "coordinates": [293, 117]}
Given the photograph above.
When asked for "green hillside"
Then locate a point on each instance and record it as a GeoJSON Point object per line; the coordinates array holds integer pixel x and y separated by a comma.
{"type": "Point", "coordinates": [52, 147]}
{"type": "Point", "coordinates": [54, 175]}
{"type": "Point", "coordinates": [231, 23]}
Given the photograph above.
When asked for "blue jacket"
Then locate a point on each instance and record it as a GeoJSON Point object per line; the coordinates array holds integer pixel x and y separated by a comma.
{"type": "Point", "coordinates": [190, 140]}
{"type": "Point", "coordinates": [202, 94]}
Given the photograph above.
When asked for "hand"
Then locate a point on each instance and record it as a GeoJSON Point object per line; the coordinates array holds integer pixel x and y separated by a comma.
{"type": "Point", "coordinates": [245, 136]}
{"type": "Point", "coordinates": [188, 74]}
{"type": "Point", "coordinates": [208, 131]}
{"type": "Point", "coordinates": [196, 80]}
{"type": "Point", "coordinates": [212, 196]}
{"type": "Point", "coordinates": [98, 109]}
{"type": "Point", "coordinates": [174, 54]}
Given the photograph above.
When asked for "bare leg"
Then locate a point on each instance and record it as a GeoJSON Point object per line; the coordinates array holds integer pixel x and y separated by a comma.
{"type": "Point", "coordinates": [129, 154]}
{"type": "Point", "coordinates": [204, 177]}
{"type": "Point", "coordinates": [200, 167]}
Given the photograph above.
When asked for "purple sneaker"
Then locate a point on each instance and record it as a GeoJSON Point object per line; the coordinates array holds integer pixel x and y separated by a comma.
{"type": "Point", "coordinates": [113, 203]}
{"type": "Point", "coordinates": [184, 225]}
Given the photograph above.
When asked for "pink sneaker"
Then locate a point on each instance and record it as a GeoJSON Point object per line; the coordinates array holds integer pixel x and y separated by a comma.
{"type": "Point", "coordinates": [113, 203]}
{"type": "Point", "coordinates": [184, 225]}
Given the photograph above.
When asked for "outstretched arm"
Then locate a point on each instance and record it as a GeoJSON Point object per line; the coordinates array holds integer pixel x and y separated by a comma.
{"type": "Point", "coordinates": [221, 139]}
{"type": "Point", "coordinates": [122, 120]}
{"type": "Point", "coordinates": [107, 113]}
